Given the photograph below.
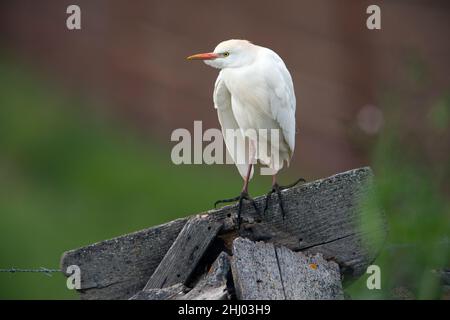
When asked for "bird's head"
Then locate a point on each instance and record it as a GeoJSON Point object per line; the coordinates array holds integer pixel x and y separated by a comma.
{"type": "Point", "coordinates": [229, 54]}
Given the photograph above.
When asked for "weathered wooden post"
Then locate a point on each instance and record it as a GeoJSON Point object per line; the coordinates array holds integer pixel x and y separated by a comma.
{"type": "Point", "coordinates": [262, 271]}
{"type": "Point", "coordinates": [325, 237]}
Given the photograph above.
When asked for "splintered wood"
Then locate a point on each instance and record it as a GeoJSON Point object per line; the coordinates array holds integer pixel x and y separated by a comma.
{"type": "Point", "coordinates": [326, 217]}
{"type": "Point", "coordinates": [185, 253]}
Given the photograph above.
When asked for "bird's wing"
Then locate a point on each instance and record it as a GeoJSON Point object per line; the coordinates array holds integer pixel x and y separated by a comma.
{"type": "Point", "coordinates": [234, 139]}
{"type": "Point", "coordinates": [282, 96]}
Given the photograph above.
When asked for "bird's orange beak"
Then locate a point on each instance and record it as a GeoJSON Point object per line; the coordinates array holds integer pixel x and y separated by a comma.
{"type": "Point", "coordinates": [203, 56]}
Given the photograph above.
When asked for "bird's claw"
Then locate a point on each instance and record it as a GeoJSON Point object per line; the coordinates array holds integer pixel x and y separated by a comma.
{"type": "Point", "coordinates": [276, 188]}
{"type": "Point", "coordinates": [293, 184]}
{"type": "Point", "coordinates": [243, 196]}
{"type": "Point", "coordinates": [226, 201]}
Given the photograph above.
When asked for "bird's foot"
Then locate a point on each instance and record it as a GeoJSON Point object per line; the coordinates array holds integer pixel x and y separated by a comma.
{"type": "Point", "coordinates": [276, 188]}
{"type": "Point", "coordinates": [240, 198]}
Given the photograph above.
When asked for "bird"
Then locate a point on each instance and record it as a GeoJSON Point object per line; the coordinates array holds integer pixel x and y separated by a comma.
{"type": "Point", "coordinates": [254, 93]}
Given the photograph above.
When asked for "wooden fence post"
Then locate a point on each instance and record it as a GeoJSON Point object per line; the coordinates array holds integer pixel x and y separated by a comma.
{"type": "Point", "coordinates": [325, 217]}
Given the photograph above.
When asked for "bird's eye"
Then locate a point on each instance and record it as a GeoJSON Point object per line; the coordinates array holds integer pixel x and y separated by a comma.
{"type": "Point", "coordinates": [226, 54]}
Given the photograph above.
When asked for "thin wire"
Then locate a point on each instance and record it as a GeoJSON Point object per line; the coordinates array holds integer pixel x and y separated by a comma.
{"type": "Point", "coordinates": [46, 271]}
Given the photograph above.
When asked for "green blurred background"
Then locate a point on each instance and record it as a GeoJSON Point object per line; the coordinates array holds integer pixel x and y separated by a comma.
{"type": "Point", "coordinates": [86, 117]}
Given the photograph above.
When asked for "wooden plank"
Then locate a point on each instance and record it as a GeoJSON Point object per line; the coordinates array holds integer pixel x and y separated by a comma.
{"type": "Point", "coordinates": [326, 216]}
{"type": "Point", "coordinates": [262, 271]}
{"type": "Point", "coordinates": [213, 286]}
{"type": "Point", "coordinates": [323, 216]}
{"type": "Point", "coordinates": [185, 253]}
{"type": "Point", "coordinates": [255, 271]}
{"type": "Point", "coordinates": [309, 277]}
{"type": "Point", "coordinates": [161, 294]}
{"type": "Point", "coordinates": [120, 267]}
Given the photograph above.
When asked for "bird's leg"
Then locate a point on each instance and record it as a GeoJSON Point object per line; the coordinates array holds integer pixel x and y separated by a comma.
{"type": "Point", "coordinates": [244, 193]}
{"type": "Point", "coordinates": [243, 196]}
{"type": "Point", "coordinates": [244, 190]}
{"type": "Point", "coordinates": [276, 188]}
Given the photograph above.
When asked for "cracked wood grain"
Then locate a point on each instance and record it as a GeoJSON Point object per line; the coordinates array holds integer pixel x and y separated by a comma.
{"type": "Point", "coordinates": [263, 271]}
{"type": "Point", "coordinates": [182, 257]}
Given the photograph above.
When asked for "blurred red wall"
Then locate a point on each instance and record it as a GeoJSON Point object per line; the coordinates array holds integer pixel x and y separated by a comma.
{"type": "Point", "coordinates": [131, 54]}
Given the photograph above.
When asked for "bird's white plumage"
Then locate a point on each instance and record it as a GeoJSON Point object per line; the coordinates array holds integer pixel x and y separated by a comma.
{"type": "Point", "coordinates": [254, 90]}
{"type": "Point", "coordinates": [235, 142]}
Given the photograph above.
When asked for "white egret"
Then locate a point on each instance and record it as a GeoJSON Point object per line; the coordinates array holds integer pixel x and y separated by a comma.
{"type": "Point", "coordinates": [253, 91]}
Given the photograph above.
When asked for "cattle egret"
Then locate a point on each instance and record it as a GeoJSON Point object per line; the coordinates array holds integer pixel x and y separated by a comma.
{"type": "Point", "coordinates": [253, 91]}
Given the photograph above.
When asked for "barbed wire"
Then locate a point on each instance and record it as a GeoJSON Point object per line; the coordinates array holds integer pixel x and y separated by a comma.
{"type": "Point", "coordinates": [46, 271]}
